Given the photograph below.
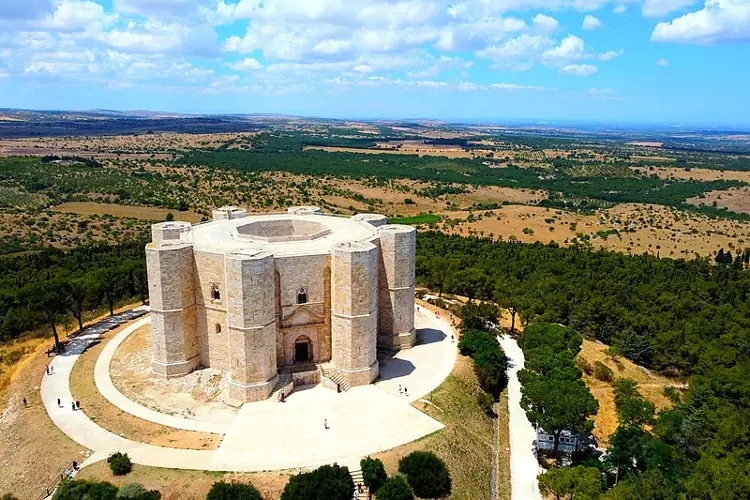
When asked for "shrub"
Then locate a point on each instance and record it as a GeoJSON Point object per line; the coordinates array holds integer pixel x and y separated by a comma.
{"type": "Point", "coordinates": [233, 491]}
{"type": "Point", "coordinates": [602, 372]}
{"type": "Point", "coordinates": [396, 488]}
{"type": "Point", "coordinates": [90, 490]}
{"type": "Point", "coordinates": [426, 473]}
{"type": "Point", "coordinates": [486, 402]}
{"type": "Point", "coordinates": [491, 365]}
{"type": "Point", "coordinates": [373, 473]}
{"type": "Point", "coordinates": [8, 496]}
{"type": "Point", "coordinates": [119, 463]}
{"type": "Point", "coordinates": [136, 491]}
{"type": "Point", "coordinates": [585, 366]}
{"type": "Point", "coordinates": [331, 482]}
{"type": "Point", "coordinates": [473, 340]}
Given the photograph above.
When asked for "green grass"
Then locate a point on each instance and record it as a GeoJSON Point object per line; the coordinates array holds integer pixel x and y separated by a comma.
{"type": "Point", "coordinates": [416, 219]}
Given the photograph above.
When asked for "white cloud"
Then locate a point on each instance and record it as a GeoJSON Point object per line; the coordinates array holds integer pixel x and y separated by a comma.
{"type": "Point", "coordinates": [662, 62]}
{"type": "Point", "coordinates": [619, 9]}
{"type": "Point", "coordinates": [660, 8]}
{"type": "Point", "coordinates": [591, 23]}
{"type": "Point", "coordinates": [518, 54]}
{"type": "Point", "coordinates": [608, 94]}
{"type": "Point", "coordinates": [579, 69]}
{"type": "Point", "coordinates": [719, 21]}
{"type": "Point", "coordinates": [153, 37]}
{"type": "Point", "coordinates": [332, 46]}
{"type": "Point", "coordinates": [545, 24]}
{"type": "Point", "coordinates": [77, 16]}
{"type": "Point", "coordinates": [247, 64]}
{"type": "Point", "coordinates": [588, 5]}
{"type": "Point", "coordinates": [610, 54]}
{"type": "Point", "coordinates": [570, 48]}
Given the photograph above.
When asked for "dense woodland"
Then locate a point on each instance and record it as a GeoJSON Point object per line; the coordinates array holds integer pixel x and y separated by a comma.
{"type": "Point", "coordinates": [676, 316]}
{"type": "Point", "coordinates": [41, 290]}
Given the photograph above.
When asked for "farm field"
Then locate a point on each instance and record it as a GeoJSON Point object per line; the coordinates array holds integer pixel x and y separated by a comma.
{"type": "Point", "coordinates": [384, 149]}
{"type": "Point", "coordinates": [129, 211]}
{"type": "Point", "coordinates": [701, 174]}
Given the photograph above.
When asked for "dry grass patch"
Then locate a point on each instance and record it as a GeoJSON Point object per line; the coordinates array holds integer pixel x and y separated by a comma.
{"type": "Point", "coordinates": [466, 442]}
{"type": "Point", "coordinates": [132, 211]}
{"type": "Point", "coordinates": [33, 451]}
{"type": "Point", "coordinates": [734, 199]}
{"type": "Point", "coordinates": [650, 385]}
{"type": "Point", "coordinates": [108, 416]}
{"type": "Point", "coordinates": [177, 484]}
{"type": "Point", "coordinates": [698, 174]}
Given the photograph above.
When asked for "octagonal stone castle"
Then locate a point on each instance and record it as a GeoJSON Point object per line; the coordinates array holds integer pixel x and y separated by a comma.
{"type": "Point", "coordinates": [256, 295]}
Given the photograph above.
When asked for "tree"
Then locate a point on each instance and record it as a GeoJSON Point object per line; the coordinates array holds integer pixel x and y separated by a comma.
{"type": "Point", "coordinates": [472, 341]}
{"type": "Point", "coordinates": [440, 269]}
{"type": "Point", "coordinates": [79, 293]}
{"type": "Point", "coordinates": [396, 488]}
{"type": "Point", "coordinates": [556, 404]}
{"type": "Point", "coordinates": [632, 408]}
{"type": "Point", "coordinates": [509, 296]}
{"type": "Point", "coordinates": [108, 283]}
{"type": "Point", "coordinates": [649, 486]}
{"type": "Point", "coordinates": [48, 299]}
{"type": "Point", "coordinates": [8, 496]}
{"type": "Point", "coordinates": [479, 316]}
{"type": "Point", "coordinates": [120, 463]}
{"type": "Point", "coordinates": [233, 491]}
{"type": "Point", "coordinates": [469, 282]}
{"type": "Point", "coordinates": [491, 366]}
{"type": "Point", "coordinates": [331, 482]}
{"type": "Point", "coordinates": [427, 474]}
{"type": "Point", "coordinates": [373, 473]}
{"type": "Point", "coordinates": [572, 483]}
{"type": "Point", "coordinates": [88, 490]}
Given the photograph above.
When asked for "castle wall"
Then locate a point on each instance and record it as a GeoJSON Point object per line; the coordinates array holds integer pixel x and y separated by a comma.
{"type": "Point", "coordinates": [354, 311]}
{"type": "Point", "coordinates": [396, 287]}
{"type": "Point", "coordinates": [170, 268]}
{"type": "Point", "coordinates": [214, 347]}
{"type": "Point", "coordinates": [251, 321]}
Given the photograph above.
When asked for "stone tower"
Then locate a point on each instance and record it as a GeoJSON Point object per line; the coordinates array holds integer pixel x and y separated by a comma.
{"type": "Point", "coordinates": [396, 287]}
{"type": "Point", "coordinates": [171, 289]}
{"type": "Point", "coordinates": [354, 311]}
{"type": "Point", "coordinates": [251, 321]}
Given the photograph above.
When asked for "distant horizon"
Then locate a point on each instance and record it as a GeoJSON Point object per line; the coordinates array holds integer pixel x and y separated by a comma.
{"type": "Point", "coordinates": [457, 121]}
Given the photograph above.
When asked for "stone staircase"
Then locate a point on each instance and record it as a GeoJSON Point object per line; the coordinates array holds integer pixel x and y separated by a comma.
{"type": "Point", "coordinates": [334, 376]}
{"type": "Point", "coordinates": [285, 385]}
{"type": "Point", "coordinates": [358, 479]}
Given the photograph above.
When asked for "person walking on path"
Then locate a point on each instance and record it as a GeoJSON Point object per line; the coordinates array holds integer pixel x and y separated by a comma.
{"type": "Point", "coordinates": [325, 423]}
{"type": "Point", "coordinates": [399, 388]}
{"type": "Point", "coordinates": [78, 405]}
{"type": "Point", "coordinates": [58, 403]}
{"type": "Point", "coordinates": [73, 405]}
{"type": "Point", "coordinates": [25, 403]}
{"type": "Point", "coordinates": [406, 393]}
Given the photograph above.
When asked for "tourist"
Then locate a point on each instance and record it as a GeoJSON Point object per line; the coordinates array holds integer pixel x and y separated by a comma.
{"type": "Point", "coordinates": [359, 487]}
{"type": "Point", "coordinates": [325, 423]}
{"type": "Point", "coordinates": [399, 389]}
{"type": "Point", "coordinates": [78, 405]}
{"type": "Point", "coordinates": [25, 403]}
{"type": "Point", "coordinates": [356, 493]}
{"type": "Point", "coordinates": [406, 393]}
{"type": "Point", "coordinates": [75, 465]}
{"type": "Point", "coordinates": [58, 403]}
{"type": "Point", "coordinates": [73, 405]}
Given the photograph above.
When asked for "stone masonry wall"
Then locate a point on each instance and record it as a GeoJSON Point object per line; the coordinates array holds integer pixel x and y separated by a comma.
{"type": "Point", "coordinates": [354, 311]}
{"type": "Point", "coordinates": [396, 287]}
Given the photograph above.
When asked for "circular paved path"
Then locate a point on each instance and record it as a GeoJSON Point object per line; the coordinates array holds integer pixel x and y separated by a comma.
{"type": "Point", "coordinates": [270, 435]}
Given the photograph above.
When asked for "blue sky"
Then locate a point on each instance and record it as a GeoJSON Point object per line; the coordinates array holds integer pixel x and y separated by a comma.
{"type": "Point", "coordinates": [676, 62]}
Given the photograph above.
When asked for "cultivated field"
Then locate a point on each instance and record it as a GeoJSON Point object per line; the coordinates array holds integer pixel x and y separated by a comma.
{"type": "Point", "coordinates": [127, 211]}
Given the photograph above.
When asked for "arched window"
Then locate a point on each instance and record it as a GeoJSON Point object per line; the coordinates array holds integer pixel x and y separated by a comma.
{"type": "Point", "coordinates": [302, 296]}
{"type": "Point", "coordinates": [215, 293]}
{"type": "Point", "coordinates": [218, 329]}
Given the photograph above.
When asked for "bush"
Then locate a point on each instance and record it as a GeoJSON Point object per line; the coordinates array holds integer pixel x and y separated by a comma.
{"type": "Point", "coordinates": [233, 491]}
{"type": "Point", "coordinates": [8, 496]}
{"type": "Point", "coordinates": [396, 488]}
{"type": "Point", "coordinates": [585, 366]}
{"type": "Point", "coordinates": [120, 464]}
{"type": "Point", "coordinates": [602, 372]}
{"type": "Point", "coordinates": [426, 473]}
{"type": "Point", "coordinates": [486, 402]}
{"type": "Point", "coordinates": [373, 473]}
{"type": "Point", "coordinates": [491, 365]}
{"type": "Point", "coordinates": [136, 491]}
{"type": "Point", "coordinates": [89, 490]}
{"type": "Point", "coordinates": [473, 340]}
{"type": "Point", "coordinates": [331, 482]}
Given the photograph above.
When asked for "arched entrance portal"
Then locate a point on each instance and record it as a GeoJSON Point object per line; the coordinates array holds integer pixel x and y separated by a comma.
{"type": "Point", "coordinates": [303, 351]}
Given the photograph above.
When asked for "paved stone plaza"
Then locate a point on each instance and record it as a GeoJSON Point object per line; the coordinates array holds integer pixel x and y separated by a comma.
{"type": "Point", "coordinates": [269, 435]}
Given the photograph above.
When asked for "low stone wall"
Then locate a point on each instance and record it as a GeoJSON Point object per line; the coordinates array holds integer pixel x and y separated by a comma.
{"type": "Point", "coordinates": [311, 377]}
